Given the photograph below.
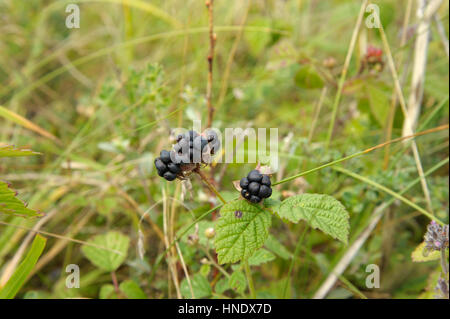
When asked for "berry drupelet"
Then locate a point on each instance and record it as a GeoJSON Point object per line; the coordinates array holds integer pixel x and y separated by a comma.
{"type": "Point", "coordinates": [166, 167]}
{"type": "Point", "coordinates": [255, 186]}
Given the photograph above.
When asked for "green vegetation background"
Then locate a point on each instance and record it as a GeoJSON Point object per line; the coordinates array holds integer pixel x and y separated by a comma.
{"type": "Point", "coordinates": [111, 91]}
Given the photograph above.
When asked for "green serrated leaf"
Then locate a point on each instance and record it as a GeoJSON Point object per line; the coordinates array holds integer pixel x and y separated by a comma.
{"type": "Point", "coordinates": [111, 258]}
{"type": "Point", "coordinates": [261, 256]}
{"type": "Point", "coordinates": [200, 286]}
{"type": "Point", "coordinates": [11, 205]}
{"type": "Point", "coordinates": [132, 290]}
{"type": "Point", "coordinates": [237, 238]}
{"type": "Point", "coordinates": [10, 151]}
{"type": "Point", "coordinates": [319, 211]}
{"type": "Point", "coordinates": [420, 255]}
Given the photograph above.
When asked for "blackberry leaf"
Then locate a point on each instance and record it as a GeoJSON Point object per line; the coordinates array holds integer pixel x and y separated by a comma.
{"type": "Point", "coordinates": [238, 238]}
{"type": "Point", "coordinates": [319, 211]}
{"type": "Point", "coordinates": [11, 205]}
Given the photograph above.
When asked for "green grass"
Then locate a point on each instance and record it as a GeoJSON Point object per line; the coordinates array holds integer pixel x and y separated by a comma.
{"type": "Point", "coordinates": [98, 104]}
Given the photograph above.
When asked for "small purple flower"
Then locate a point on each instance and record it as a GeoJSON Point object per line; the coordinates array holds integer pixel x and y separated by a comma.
{"type": "Point", "coordinates": [238, 214]}
{"type": "Point", "coordinates": [436, 237]}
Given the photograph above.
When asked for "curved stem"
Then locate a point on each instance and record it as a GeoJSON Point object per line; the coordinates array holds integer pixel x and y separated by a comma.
{"type": "Point", "coordinates": [210, 186]}
{"type": "Point", "coordinates": [213, 262]}
{"type": "Point", "coordinates": [390, 192]}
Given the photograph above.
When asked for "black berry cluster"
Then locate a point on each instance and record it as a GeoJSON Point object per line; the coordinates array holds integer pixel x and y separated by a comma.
{"type": "Point", "coordinates": [166, 167]}
{"type": "Point", "coordinates": [255, 186]}
{"type": "Point", "coordinates": [192, 147]}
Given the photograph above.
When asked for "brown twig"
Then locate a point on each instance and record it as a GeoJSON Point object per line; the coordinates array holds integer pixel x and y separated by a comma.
{"type": "Point", "coordinates": [212, 41]}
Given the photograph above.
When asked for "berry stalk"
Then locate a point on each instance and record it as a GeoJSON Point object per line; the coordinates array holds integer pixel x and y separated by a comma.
{"type": "Point", "coordinates": [210, 186]}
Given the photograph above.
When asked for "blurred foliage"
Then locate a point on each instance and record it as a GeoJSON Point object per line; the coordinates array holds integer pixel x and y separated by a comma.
{"type": "Point", "coordinates": [112, 90]}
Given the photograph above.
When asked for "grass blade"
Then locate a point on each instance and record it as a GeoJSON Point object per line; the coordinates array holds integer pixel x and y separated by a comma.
{"type": "Point", "coordinates": [16, 118]}
{"type": "Point", "coordinates": [19, 277]}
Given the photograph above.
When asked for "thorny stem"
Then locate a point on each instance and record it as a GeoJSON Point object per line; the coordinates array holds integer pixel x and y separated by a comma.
{"type": "Point", "coordinates": [248, 274]}
{"type": "Point", "coordinates": [212, 41]}
{"type": "Point", "coordinates": [210, 186]}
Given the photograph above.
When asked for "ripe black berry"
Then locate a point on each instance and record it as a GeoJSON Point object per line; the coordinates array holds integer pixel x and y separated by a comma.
{"type": "Point", "coordinates": [169, 176]}
{"type": "Point", "coordinates": [266, 180]}
{"type": "Point", "coordinates": [159, 164]}
{"type": "Point", "coordinates": [161, 173]}
{"type": "Point", "coordinates": [165, 156]}
{"type": "Point", "coordinates": [255, 186]}
{"type": "Point", "coordinates": [254, 176]}
{"type": "Point", "coordinates": [244, 182]}
{"type": "Point", "coordinates": [265, 191]}
{"type": "Point", "coordinates": [255, 199]}
{"type": "Point", "coordinates": [174, 168]}
{"type": "Point", "coordinates": [165, 167]}
{"type": "Point", "coordinates": [245, 193]}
